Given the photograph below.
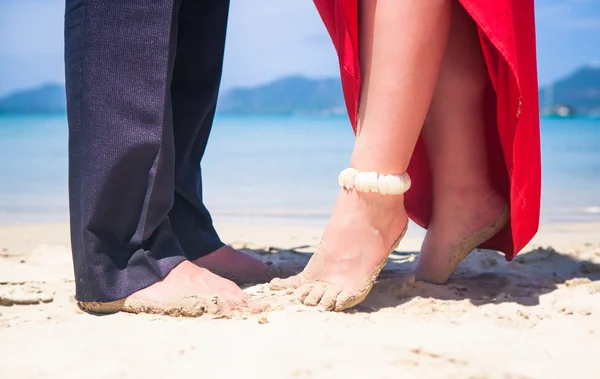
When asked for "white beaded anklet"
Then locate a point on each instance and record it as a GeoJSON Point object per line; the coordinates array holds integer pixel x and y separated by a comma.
{"type": "Point", "coordinates": [371, 181]}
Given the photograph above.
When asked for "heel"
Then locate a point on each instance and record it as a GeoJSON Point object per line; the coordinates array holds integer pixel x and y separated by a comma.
{"type": "Point", "coordinates": [464, 248]}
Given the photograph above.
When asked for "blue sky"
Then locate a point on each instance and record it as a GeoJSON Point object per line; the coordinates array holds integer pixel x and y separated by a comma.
{"type": "Point", "coordinates": [272, 38]}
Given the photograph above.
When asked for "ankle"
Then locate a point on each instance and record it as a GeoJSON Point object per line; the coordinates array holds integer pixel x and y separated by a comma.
{"type": "Point", "coordinates": [374, 161]}
{"type": "Point", "coordinates": [384, 213]}
{"type": "Point", "coordinates": [476, 202]}
{"type": "Point", "coordinates": [464, 189]}
{"type": "Point", "coordinates": [385, 159]}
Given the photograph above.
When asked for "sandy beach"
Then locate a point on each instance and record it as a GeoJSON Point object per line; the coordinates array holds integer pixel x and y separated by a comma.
{"type": "Point", "coordinates": [536, 317]}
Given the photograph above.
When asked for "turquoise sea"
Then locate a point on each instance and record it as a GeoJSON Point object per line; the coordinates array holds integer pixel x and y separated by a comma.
{"type": "Point", "coordinates": [276, 170]}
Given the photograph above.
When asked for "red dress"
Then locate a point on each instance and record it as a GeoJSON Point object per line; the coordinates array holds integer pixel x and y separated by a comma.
{"type": "Point", "coordinates": [507, 35]}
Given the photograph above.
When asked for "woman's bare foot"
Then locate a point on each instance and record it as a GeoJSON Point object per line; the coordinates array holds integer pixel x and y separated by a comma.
{"type": "Point", "coordinates": [463, 219]}
{"type": "Point", "coordinates": [466, 210]}
{"type": "Point", "coordinates": [402, 45]}
{"type": "Point", "coordinates": [363, 230]}
{"type": "Point", "coordinates": [188, 290]}
{"type": "Point", "coordinates": [239, 267]}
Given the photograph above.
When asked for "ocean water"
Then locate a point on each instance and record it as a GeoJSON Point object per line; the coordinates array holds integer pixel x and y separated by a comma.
{"type": "Point", "coordinates": [276, 170]}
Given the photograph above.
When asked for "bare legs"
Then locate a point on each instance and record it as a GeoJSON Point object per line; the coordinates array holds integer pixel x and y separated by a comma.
{"type": "Point", "coordinates": [418, 59]}
{"type": "Point", "coordinates": [402, 47]}
{"type": "Point", "coordinates": [467, 210]}
{"type": "Point", "coordinates": [454, 135]}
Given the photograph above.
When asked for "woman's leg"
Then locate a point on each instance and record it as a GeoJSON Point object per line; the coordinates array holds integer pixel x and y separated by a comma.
{"type": "Point", "coordinates": [454, 135]}
{"type": "Point", "coordinates": [402, 45]}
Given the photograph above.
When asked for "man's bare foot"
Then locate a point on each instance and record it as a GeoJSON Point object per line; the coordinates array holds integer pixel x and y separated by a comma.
{"type": "Point", "coordinates": [188, 290]}
{"type": "Point", "coordinates": [363, 230]}
{"type": "Point", "coordinates": [239, 267]}
{"type": "Point", "coordinates": [462, 220]}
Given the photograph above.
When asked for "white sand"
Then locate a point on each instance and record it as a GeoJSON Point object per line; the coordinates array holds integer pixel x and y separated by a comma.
{"type": "Point", "coordinates": [537, 317]}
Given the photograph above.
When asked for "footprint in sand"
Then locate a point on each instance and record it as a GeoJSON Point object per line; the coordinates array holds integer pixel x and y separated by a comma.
{"type": "Point", "coordinates": [23, 294]}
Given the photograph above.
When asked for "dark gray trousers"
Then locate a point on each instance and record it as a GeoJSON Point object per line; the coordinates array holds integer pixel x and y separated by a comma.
{"type": "Point", "coordinates": [142, 80]}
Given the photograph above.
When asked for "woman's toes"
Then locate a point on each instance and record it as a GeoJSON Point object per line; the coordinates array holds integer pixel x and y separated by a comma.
{"type": "Point", "coordinates": [439, 277]}
{"type": "Point", "coordinates": [303, 291]}
{"type": "Point", "coordinates": [329, 298]}
{"type": "Point", "coordinates": [345, 300]}
{"type": "Point", "coordinates": [314, 297]}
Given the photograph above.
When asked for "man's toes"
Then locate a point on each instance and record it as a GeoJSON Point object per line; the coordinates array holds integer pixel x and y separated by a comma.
{"type": "Point", "coordinates": [194, 306]}
{"type": "Point", "coordinates": [235, 305]}
{"type": "Point", "coordinates": [282, 284]}
{"type": "Point", "coordinates": [227, 307]}
{"type": "Point", "coordinates": [256, 307]}
{"type": "Point", "coordinates": [329, 298]}
{"type": "Point", "coordinates": [314, 297]}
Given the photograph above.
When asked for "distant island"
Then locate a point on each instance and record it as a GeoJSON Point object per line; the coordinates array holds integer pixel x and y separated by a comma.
{"type": "Point", "coordinates": [286, 96]}
{"type": "Point", "coordinates": [49, 98]}
{"type": "Point", "coordinates": [577, 93]}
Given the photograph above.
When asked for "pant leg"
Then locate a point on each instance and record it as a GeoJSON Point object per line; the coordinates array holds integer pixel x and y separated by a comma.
{"type": "Point", "coordinates": [118, 56]}
{"type": "Point", "coordinates": [196, 78]}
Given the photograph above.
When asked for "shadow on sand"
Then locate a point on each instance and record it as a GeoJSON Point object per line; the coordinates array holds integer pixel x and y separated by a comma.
{"type": "Point", "coordinates": [483, 278]}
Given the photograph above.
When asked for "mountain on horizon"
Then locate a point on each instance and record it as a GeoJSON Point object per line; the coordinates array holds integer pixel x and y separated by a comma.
{"type": "Point", "coordinates": [579, 91]}
{"type": "Point", "coordinates": [290, 95]}
{"type": "Point", "coordinates": [48, 98]}
{"type": "Point", "coordinates": [284, 96]}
